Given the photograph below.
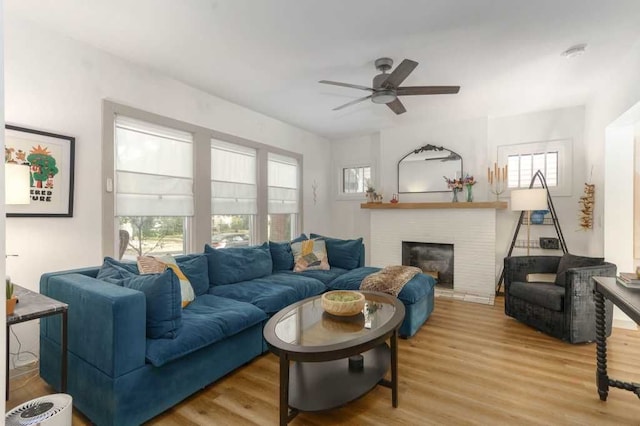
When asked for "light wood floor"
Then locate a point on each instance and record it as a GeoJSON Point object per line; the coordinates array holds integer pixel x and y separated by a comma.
{"type": "Point", "coordinates": [468, 365]}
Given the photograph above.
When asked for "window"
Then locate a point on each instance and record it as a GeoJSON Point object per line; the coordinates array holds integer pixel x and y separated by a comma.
{"type": "Point", "coordinates": [355, 179]}
{"type": "Point", "coordinates": [171, 187]}
{"type": "Point", "coordinates": [522, 168]}
{"type": "Point", "coordinates": [282, 181]}
{"type": "Point", "coordinates": [552, 158]}
{"type": "Point", "coordinates": [153, 186]}
{"type": "Point", "coordinates": [233, 194]}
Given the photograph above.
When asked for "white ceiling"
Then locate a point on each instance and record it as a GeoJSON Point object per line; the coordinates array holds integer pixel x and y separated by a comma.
{"type": "Point", "coordinates": [268, 55]}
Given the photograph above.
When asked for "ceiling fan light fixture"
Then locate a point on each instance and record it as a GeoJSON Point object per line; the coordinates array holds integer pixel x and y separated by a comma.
{"type": "Point", "coordinates": [383, 96]}
{"type": "Point", "coordinates": [575, 51]}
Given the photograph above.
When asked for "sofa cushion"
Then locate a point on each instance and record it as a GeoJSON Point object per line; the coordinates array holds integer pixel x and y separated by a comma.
{"type": "Point", "coordinates": [271, 293]}
{"type": "Point", "coordinates": [196, 268]}
{"type": "Point", "coordinates": [164, 302]}
{"type": "Point", "coordinates": [325, 276]}
{"type": "Point", "coordinates": [547, 295]}
{"type": "Point", "coordinates": [343, 254]}
{"type": "Point", "coordinates": [281, 254]}
{"type": "Point", "coordinates": [569, 261]}
{"type": "Point", "coordinates": [114, 272]}
{"type": "Point", "coordinates": [309, 255]}
{"type": "Point", "coordinates": [414, 290]}
{"type": "Point", "coordinates": [237, 264]}
{"type": "Point", "coordinates": [208, 319]}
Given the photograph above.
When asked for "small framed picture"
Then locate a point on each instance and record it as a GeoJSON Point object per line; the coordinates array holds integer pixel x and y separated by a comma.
{"type": "Point", "coordinates": [50, 159]}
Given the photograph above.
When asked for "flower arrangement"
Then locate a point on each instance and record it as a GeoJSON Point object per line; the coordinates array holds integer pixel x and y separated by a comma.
{"type": "Point", "coordinates": [454, 184]}
{"type": "Point", "coordinates": [469, 181]}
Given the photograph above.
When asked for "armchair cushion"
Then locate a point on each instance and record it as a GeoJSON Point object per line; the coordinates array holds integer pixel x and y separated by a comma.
{"type": "Point", "coordinates": [543, 294]}
{"type": "Point", "coordinates": [569, 261]}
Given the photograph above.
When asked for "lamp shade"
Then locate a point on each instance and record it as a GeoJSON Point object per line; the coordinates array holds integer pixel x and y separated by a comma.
{"type": "Point", "coordinates": [17, 184]}
{"type": "Point", "coordinates": [529, 199]}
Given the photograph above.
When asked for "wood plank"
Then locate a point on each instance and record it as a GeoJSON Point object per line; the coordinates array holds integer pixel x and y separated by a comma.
{"type": "Point", "coordinates": [468, 365]}
{"type": "Point", "coordinates": [498, 205]}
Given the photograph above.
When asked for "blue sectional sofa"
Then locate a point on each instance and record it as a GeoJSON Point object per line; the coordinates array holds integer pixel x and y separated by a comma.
{"type": "Point", "coordinates": [132, 354]}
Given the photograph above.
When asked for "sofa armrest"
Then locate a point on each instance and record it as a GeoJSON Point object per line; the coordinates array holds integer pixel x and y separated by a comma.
{"type": "Point", "coordinates": [106, 322]}
{"type": "Point", "coordinates": [579, 302]}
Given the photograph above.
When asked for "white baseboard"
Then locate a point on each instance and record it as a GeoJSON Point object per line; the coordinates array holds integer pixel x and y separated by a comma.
{"type": "Point", "coordinates": [626, 324]}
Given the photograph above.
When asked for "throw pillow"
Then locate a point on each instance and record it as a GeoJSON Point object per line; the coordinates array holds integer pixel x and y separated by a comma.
{"type": "Point", "coordinates": [196, 268]}
{"type": "Point", "coordinates": [158, 264]}
{"type": "Point", "coordinates": [569, 261]}
{"type": "Point", "coordinates": [541, 278]}
{"type": "Point", "coordinates": [235, 264]}
{"type": "Point", "coordinates": [162, 292]}
{"type": "Point", "coordinates": [114, 272]}
{"type": "Point", "coordinates": [281, 254]}
{"type": "Point", "coordinates": [186, 290]}
{"type": "Point", "coordinates": [150, 265]}
{"type": "Point", "coordinates": [310, 255]}
{"type": "Point", "coordinates": [343, 254]}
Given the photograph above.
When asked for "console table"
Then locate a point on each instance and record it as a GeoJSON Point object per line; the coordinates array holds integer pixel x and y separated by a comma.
{"type": "Point", "coordinates": [628, 301]}
{"type": "Point", "coordinates": [32, 305]}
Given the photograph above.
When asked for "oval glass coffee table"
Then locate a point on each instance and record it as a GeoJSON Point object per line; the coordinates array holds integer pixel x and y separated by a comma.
{"type": "Point", "coordinates": [327, 361]}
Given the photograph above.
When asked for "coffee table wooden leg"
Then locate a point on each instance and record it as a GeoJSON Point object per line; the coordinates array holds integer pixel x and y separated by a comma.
{"type": "Point", "coordinates": [286, 415]}
{"type": "Point", "coordinates": [394, 369]}
{"type": "Point", "coordinates": [63, 369]}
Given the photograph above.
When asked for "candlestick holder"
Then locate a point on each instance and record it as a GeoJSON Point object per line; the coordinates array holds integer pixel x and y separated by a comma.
{"type": "Point", "coordinates": [497, 188]}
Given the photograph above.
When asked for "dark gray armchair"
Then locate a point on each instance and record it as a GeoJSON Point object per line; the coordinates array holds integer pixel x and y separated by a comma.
{"type": "Point", "coordinates": [565, 308]}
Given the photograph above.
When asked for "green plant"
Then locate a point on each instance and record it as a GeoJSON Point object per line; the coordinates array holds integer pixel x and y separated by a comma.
{"type": "Point", "coordinates": [9, 288]}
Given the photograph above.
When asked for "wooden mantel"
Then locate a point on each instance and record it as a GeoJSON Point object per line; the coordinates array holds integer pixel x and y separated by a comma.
{"type": "Point", "coordinates": [498, 205]}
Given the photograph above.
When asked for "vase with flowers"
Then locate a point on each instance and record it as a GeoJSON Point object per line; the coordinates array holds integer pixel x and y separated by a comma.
{"type": "Point", "coordinates": [469, 181]}
{"type": "Point", "coordinates": [455, 185]}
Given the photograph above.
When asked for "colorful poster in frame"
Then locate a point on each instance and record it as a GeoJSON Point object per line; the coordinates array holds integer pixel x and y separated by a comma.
{"type": "Point", "coordinates": [50, 158]}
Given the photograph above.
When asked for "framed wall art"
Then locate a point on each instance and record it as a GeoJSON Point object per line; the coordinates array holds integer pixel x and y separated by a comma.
{"type": "Point", "coordinates": [50, 158]}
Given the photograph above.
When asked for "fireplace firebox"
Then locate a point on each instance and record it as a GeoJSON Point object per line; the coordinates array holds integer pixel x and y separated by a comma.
{"type": "Point", "coordinates": [434, 259]}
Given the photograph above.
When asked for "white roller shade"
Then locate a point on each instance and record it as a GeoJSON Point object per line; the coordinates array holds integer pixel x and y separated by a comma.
{"type": "Point", "coordinates": [283, 184]}
{"type": "Point", "coordinates": [154, 169]}
{"type": "Point", "coordinates": [233, 179]}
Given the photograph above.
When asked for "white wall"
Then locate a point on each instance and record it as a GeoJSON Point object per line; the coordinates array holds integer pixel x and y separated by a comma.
{"type": "Point", "coordinates": [563, 123]}
{"type": "Point", "coordinates": [57, 84]}
{"type": "Point", "coordinates": [2, 209]}
{"type": "Point", "coordinates": [476, 141]}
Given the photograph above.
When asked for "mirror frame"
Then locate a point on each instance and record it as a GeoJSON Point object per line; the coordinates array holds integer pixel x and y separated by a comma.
{"type": "Point", "coordinates": [428, 147]}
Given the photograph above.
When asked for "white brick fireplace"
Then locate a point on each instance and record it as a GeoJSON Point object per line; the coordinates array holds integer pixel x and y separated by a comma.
{"type": "Point", "coordinates": [472, 231]}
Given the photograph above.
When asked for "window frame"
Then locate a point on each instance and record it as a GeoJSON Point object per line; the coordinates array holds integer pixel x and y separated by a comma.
{"type": "Point", "coordinates": [564, 148]}
{"type": "Point", "coordinates": [198, 227]}
{"type": "Point", "coordinates": [351, 196]}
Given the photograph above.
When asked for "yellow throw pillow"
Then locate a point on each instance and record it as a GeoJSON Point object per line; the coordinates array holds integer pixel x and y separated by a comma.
{"type": "Point", "coordinates": [541, 278]}
{"type": "Point", "coordinates": [150, 265]}
{"type": "Point", "coordinates": [157, 265]}
{"type": "Point", "coordinates": [309, 255]}
{"type": "Point", "coordinates": [185, 285]}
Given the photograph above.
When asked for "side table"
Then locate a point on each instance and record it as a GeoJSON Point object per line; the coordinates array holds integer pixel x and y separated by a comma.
{"type": "Point", "coordinates": [628, 301]}
{"type": "Point", "coordinates": [32, 305]}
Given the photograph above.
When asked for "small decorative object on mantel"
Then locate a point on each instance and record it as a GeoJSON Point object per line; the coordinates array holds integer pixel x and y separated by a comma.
{"type": "Point", "coordinates": [394, 199]}
{"type": "Point", "coordinates": [11, 299]}
{"type": "Point", "coordinates": [370, 192]}
{"type": "Point", "coordinates": [586, 206]}
{"type": "Point", "coordinates": [497, 179]}
{"type": "Point", "coordinates": [469, 181]}
{"type": "Point", "coordinates": [455, 185]}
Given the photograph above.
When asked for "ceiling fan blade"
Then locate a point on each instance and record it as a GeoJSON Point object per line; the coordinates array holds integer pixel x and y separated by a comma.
{"type": "Point", "coordinates": [427, 90]}
{"type": "Point", "coordinates": [352, 86]}
{"type": "Point", "coordinates": [352, 102]}
{"type": "Point", "coordinates": [398, 75]}
{"type": "Point", "coordinates": [396, 106]}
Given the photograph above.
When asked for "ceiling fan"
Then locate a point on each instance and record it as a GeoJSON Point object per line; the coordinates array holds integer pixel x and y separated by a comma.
{"type": "Point", "coordinates": [386, 87]}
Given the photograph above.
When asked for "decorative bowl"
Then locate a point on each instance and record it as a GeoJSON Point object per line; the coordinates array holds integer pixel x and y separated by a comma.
{"type": "Point", "coordinates": [343, 303]}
